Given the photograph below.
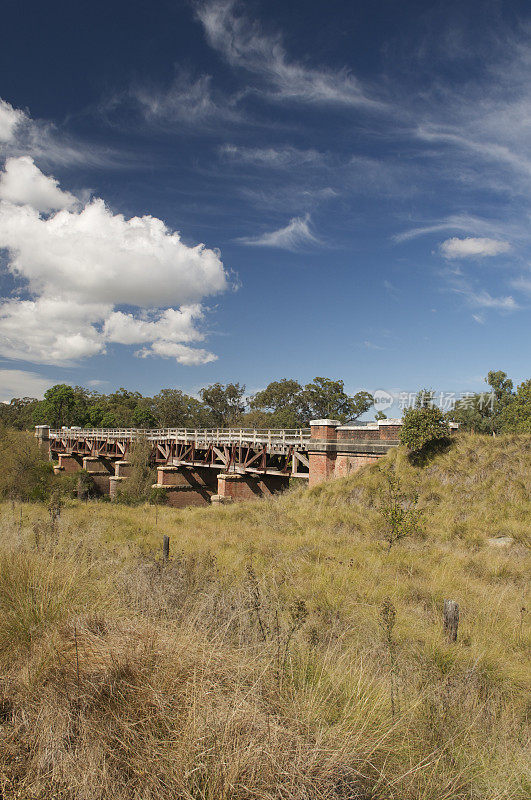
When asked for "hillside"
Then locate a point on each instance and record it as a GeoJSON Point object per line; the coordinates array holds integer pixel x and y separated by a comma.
{"type": "Point", "coordinates": [283, 652]}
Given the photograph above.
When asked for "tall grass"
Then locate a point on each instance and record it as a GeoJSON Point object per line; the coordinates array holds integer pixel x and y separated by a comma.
{"type": "Point", "coordinates": [255, 663]}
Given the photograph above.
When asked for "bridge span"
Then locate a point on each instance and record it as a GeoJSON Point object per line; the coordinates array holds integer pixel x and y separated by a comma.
{"type": "Point", "coordinates": [195, 466]}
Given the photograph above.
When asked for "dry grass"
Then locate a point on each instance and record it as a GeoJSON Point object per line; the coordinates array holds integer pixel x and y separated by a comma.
{"type": "Point", "coordinates": [254, 664]}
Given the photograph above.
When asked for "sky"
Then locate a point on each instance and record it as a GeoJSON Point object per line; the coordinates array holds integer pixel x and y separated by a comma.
{"type": "Point", "coordinates": [193, 192]}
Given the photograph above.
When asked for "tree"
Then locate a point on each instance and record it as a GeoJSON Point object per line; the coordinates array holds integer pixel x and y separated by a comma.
{"type": "Point", "coordinates": [482, 412]}
{"type": "Point", "coordinates": [19, 413]}
{"type": "Point", "coordinates": [224, 402]}
{"type": "Point", "coordinates": [282, 403]}
{"type": "Point", "coordinates": [327, 399]}
{"type": "Point", "coordinates": [58, 405]}
{"type": "Point", "coordinates": [143, 414]}
{"type": "Point", "coordinates": [424, 426]}
{"type": "Point", "coordinates": [174, 409]}
{"type": "Point", "coordinates": [515, 416]}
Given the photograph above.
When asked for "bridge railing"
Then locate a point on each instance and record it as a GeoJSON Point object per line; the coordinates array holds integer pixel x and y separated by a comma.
{"type": "Point", "coordinates": [199, 436]}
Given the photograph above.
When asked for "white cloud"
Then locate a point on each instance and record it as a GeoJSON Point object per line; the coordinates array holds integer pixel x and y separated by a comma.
{"type": "Point", "coordinates": [188, 356]}
{"type": "Point", "coordinates": [19, 383]}
{"type": "Point", "coordinates": [294, 235]}
{"type": "Point", "coordinates": [272, 157]}
{"type": "Point", "coordinates": [103, 257]}
{"type": "Point", "coordinates": [51, 330]}
{"type": "Point", "coordinates": [20, 135]}
{"type": "Point", "coordinates": [483, 299]}
{"type": "Point", "coordinates": [523, 284]}
{"type": "Point", "coordinates": [188, 100]}
{"type": "Point", "coordinates": [10, 118]}
{"type": "Point", "coordinates": [471, 247]}
{"type": "Point", "coordinates": [78, 264]}
{"type": "Point", "coordinates": [245, 45]}
{"type": "Point", "coordinates": [23, 183]}
{"type": "Point", "coordinates": [454, 222]}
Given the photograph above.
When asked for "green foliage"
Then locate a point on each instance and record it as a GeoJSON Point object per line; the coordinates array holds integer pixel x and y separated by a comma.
{"type": "Point", "coordinates": [225, 403]}
{"type": "Point", "coordinates": [174, 409]}
{"type": "Point", "coordinates": [24, 474]}
{"type": "Point", "coordinates": [19, 413]}
{"type": "Point", "coordinates": [485, 412]}
{"type": "Point", "coordinates": [327, 398]}
{"type": "Point", "coordinates": [424, 426]}
{"type": "Point", "coordinates": [138, 487]}
{"type": "Point", "coordinates": [398, 508]}
{"type": "Point", "coordinates": [515, 416]}
{"type": "Point", "coordinates": [58, 405]}
{"type": "Point", "coordinates": [283, 404]}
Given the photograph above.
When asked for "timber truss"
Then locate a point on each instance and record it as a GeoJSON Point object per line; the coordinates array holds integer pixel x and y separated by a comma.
{"type": "Point", "coordinates": [274, 452]}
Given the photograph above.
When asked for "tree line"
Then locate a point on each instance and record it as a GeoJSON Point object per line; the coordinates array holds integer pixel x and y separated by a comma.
{"type": "Point", "coordinates": [285, 403]}
{"type": "Point", "coordinates": [282, 404]}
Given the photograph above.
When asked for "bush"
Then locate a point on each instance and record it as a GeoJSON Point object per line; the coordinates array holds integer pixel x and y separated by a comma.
{"type": "Point", "coordinates": [138, 488]}
{"type": "Point", "coordinates": [424, 429]}
{"type": "Point", "coordinates": [24, 473]}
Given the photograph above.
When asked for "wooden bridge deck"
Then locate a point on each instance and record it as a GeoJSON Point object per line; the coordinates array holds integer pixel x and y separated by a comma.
{"type": "Point", "coordinates": [281, 452]}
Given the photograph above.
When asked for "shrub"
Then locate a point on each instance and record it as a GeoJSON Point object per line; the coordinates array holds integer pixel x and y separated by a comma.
{"type": "Point", "coordinates": [138, 488]}
{"type": "Point", "coordinates": [424, 427]}
{"type": "Point", "coordinates": [24, 473]}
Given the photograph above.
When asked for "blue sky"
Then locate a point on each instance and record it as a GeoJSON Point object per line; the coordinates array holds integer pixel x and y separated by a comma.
{"type": "Point", "coordinates": [222, 191]}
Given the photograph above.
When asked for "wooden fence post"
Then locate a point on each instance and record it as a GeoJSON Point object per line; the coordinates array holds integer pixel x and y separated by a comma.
{"type": "Point", "coordinates": [165, 548]}
{"type": "Point", "coordinates": [451, 619]}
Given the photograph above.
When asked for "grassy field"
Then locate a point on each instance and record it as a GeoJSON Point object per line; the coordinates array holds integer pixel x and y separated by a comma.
{"type": "Point", "coordinates": [284, 651]}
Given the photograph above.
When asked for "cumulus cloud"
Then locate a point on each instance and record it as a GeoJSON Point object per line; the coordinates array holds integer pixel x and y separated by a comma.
{"type": "Point", "coordinates": [471, 247]}
{"type": "Point", "coordinates": [22, 182]}
{"type": "Point", "coordinates": [104, 257]}
{"type": "Point", "coordinates": [294, 235]}
{"type": "Point", "coordinates": [51, 330]}
{"type": "Point", "coordinates": [243, 44]}
{"type": "Point", "coordinates": [79, 264]}
{"type": "Point", "coordinates": [19, 383]}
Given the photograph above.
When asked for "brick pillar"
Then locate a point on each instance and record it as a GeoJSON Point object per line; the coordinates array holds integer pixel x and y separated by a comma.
{"type": "Point", "coordinates": [42, 434]}
{"type": "Point", "coordinates": [68, 463]}
{"type": "Point", "coordinates": [122, 469]}
{"type": "Point", "coordinates": [99, 473]}
{"type": "Point", "coordinates": [321, 450]}
{"type": "Point", "coordinates": [235, 486]}
{"type": "Point", "coordinates": [115, 483]}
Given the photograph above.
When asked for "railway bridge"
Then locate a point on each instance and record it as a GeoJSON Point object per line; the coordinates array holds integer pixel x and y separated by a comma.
{"type": "Point", "coordinates": [224, 464]}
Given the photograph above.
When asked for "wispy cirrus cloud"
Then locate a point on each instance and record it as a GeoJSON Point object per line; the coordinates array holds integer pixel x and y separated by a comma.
{"type": "Point", "coordinates": [455, 222]}
{"type": "Point", "coordinates": [484, 299]}
{"type": "Point", "coordinates": [293, 236]}
{"type": "Point", "coordinates": [244, 44]}
{"type": "Point", "coordinates": [273, 157]}
{"type": "Point", "coordinates": [21, 135]}
{"type": "Point", "coordinates": [192, 101]}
